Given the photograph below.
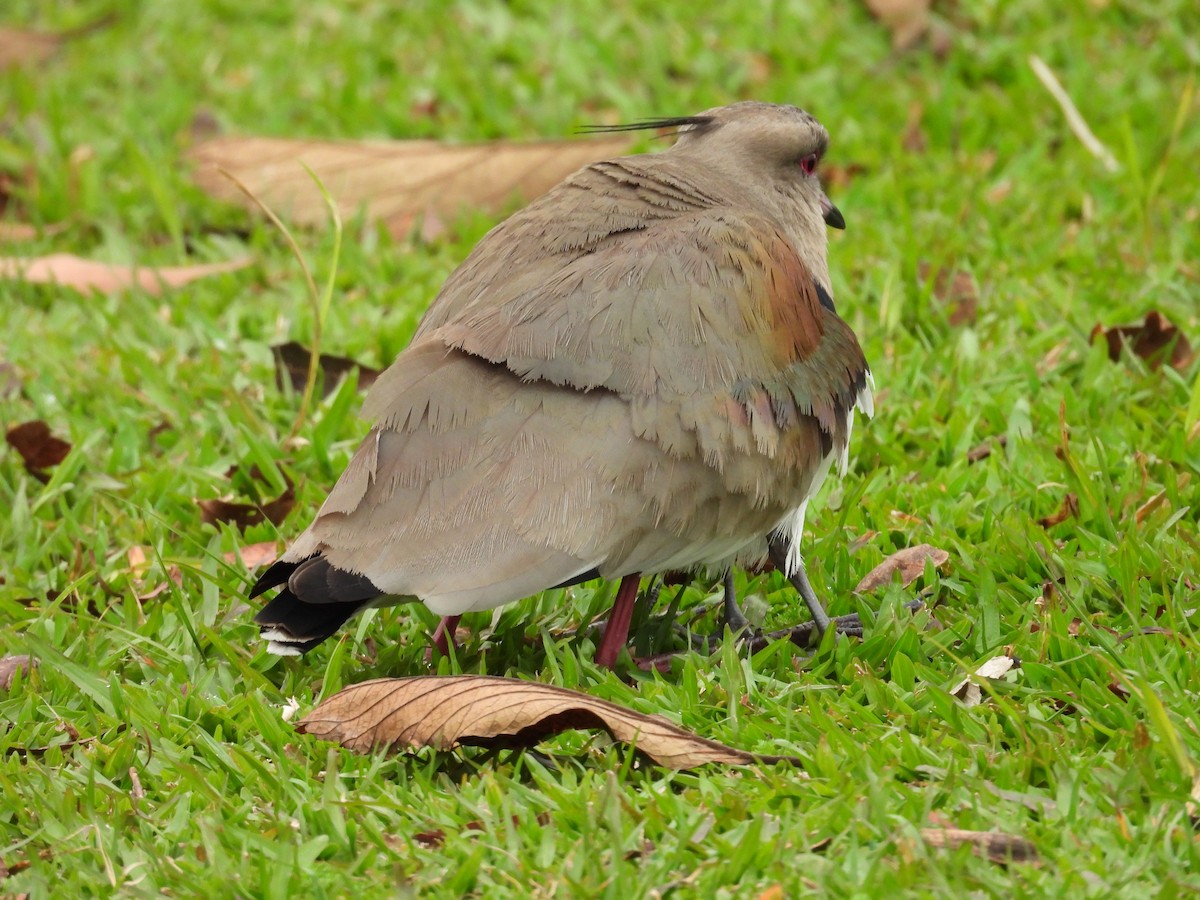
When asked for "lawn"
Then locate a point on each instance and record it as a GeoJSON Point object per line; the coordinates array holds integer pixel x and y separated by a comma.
{"type": "Point", "coordinates": [153, 749]}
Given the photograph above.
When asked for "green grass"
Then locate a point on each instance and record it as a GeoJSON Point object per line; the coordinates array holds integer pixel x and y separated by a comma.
{"type": "Point", "coordinates": [148, 753]}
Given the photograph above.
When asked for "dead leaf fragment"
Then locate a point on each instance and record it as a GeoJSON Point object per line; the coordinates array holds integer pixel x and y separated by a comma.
{"type": "Point", "coordinates": [253, 555]}
{"type": "Point", "coordinates": [243, 515]}
{"type": "Point", "coordinates": [398, 182]}
{"type": "Point", "coordinates": [1156, 341]}
{"type": "Point", "coordinates": [995, 845]}
{"type": "Point", "coordinates": [432, 838]}
{"type": "Point", "coordinates": [906, 20]}
{"type": "Point", "coordinates": [909, 562]}
{"type": "Point", "coordinates": [1068, 510]}
{"type": "Point", "coordinates": [968, 690]}
{"type": "Point", "coordinates": [292, 361]}
{"type": "Point", "coordinates": [982, 451]}
{"type": "Point", "coordinates": [39, 449]}
{"type": "Point", "coordinates": [11, 665]}
{"type": "Point", "coordinates": [956, 289]}
{"type": "Point", "coordinates": [443, 712]}
{"type": "Point", "coordinates": [19, 47]}
{"type": "Point", "coordinates": [86, 276]}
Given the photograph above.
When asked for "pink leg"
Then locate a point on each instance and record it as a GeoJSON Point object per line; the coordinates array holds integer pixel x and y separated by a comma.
{"type": "Point", "coordinates": [443, 635]}
{"type": "Point", "coordinates": [616, 633]}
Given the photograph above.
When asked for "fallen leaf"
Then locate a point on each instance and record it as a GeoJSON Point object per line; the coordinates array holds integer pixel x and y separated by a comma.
{"type": "Point", "coordinates": [433, 838]}
{"type": "Point", "coordinates": [909, 562]}
{"type": "Point", "coordinates": [444, 712]}
{"type": "Point", "coordinates": [1193, 804]}
{"type": "Point", "coordinates": [174, 577]}
{"type": "Point", "coordinates": [243, 515]}
{"type": "Point", "coordinates": [397, 182]}
{"type": "Point", "coordinates": [995, 845]}
{"type": "Point", "coordinates": [1068, 510]}
{"type": "Point", "coordinates": [956, 288]}
{"type": "Point", "coordinates": [968, 690]}
{"type": "Point", "coordinates": [39, 449]}
{"type": "Point", "coordinates": [906, 20]}
{"type": "Point", "coordinates": [1156, 341]}
{"type": "Point", "coordinates": [291, 365]}
{"type": "Point", "coordinates": [19, 47]}
{"type": "Point", "coordinates": [10, 380]}
{"type": "Point", "coordinates": [835, 176]}
{"type": "Point", "coordinates": [913, 139]}
{"type": "Point", "coordinates": [11, 665]}
{"type": "Point", "coordinates": [982, 451]}
{"type": "Point", "coordinates": [253, 555]}
{"type": "Point", "coordinates": [23, 231]}
{"type": "Point", "coordinates": [85, 275]}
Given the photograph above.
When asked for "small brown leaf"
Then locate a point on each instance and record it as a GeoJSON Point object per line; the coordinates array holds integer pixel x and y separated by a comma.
{"type": "Point", "coordinates": [11, 665]}
{"type": "Point", "coordinates": [955, 288]}
{"type": "Point", "coordinates": [20, 47]}
{"type": "Point", "coordinates": [906, 20]}
{"type": "Point", "coordinates": [433, 838]}
{"type": "Point", "coordinates": [86, 275]}
{"type": "Point", "coordinates": [292, 361]}
{"type": "Point", "coordinates": [39, 449]}
{"type": "Point", "coordinates": [909, 562]}
{"type": "Point", "coordinates": [1156, 341]}
{"type": "Point", "coordinates": [1068, 510]}
{"type": "Point", "coordinates": [243, 515]}
{"type": "Point", "coordinates": [982, 451]}
{"type": "Point", "coordinates": [422, 178]}
{"type": "Point", "coordinates": [444, 712]}
{"type": "Point", "coordinates": [995, 845]}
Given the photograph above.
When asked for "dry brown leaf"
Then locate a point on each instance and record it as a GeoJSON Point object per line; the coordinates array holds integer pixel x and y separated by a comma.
{"type": "Point", "coordinates": [433, 838]}
{"type": "Point", "coordinates": [19, 47]}
{"type": "Point", "coordinates": [955, 288]}
{"type": "Point", "coordinates": [909, 562]}
{"type": "Point", "coordinates": [23, 231]}
{"type": "Point", "coordinates": [1068, 510]}
{"type": "Point", "coordinates": [291, 365]}
{"type": "Point", "coordinates": [11, 665]}
{"type": "Point", "coordinates": [86, 275]}
{"type": "Point", "coordinates": [995, 845]}
{"type": "Point", "coordinates": [982, 451]}
{"type": "Point", "coordinates": [243, 515]}
{"type": "Point", "coordinates": [253, 555]}
{"type": "Point", "coordinates": [174, 577]}
{"type": "Point", "coordinates": [1156, 341]}
{"type": "Point", "coordinates": [444, 712]}
{"type": "Point", "coordinates": [39, 449]}
{"type": "Point", "coordinates": [906, 20]}
{"type": "Point", "coordinates": [1193, 803]}
{"type": "Point", "coordinates": [398, 182]}
{"type": "Point", "coordinates": [968, 690]}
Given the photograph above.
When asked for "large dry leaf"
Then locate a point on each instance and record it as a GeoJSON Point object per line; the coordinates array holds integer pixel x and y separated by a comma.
{"type": "Point", "coordinates": [291, 365]}
{"type": "Point", "coordinates": [995, 845]}
{"type": "Point", "coordinates": [444, 712]}
{"type": "Point", "coordinates": [19, 47]}
{"type": "Point", "coordinates": [39, 449]}
{"type": "Point", "coordinates": [87, 275]}
{"type": "Point", "coordinates": [398, 182]}
{"type": "Point", "coordinates": [1156, 341]}
{"type": "Point", "coordinates": [243, 515]}
{"type": "Point", "coordinates": [909, 562]}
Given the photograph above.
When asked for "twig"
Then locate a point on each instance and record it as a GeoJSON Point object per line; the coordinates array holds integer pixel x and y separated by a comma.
{"type": "Point", "coordinates": [1074, 119]}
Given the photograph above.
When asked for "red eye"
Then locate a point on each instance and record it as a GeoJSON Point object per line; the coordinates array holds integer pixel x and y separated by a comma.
{"type": "Point", "coordinates": [809, 163]}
